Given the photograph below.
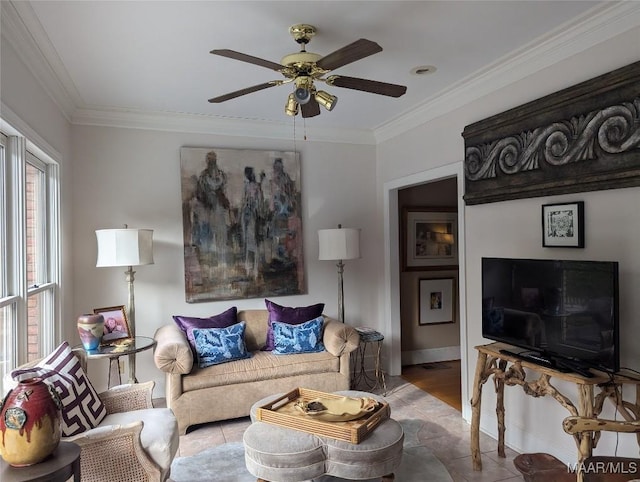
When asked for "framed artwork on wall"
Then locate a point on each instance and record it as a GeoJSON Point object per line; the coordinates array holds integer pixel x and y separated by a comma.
{"type": "Point", "coordinates": [242, 223]}
{"type": "Point", "coordinates": [563, 225]}
{"type": "Point", "coordinates": [436, 301]}
{"type": "Point", "coordinates": [430, 239]}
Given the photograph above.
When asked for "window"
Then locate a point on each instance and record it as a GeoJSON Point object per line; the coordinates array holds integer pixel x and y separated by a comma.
{"type": "Point", "coordinates": [29, 247]}
{"type": "Point", "coordinates": [7, 303]}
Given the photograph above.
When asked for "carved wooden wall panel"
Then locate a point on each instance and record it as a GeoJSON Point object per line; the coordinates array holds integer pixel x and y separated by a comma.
{"type": "Point", "coordinates": [583, 138]}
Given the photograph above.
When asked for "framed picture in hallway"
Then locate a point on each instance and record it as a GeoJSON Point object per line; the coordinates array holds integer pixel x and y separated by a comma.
{"type": "Point", "coordinates": [430, 239]}
{"type": "Point", "coordinates": [436, 301]}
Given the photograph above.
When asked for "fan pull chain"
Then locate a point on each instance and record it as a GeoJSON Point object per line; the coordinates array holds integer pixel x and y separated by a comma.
{"type": "Point", "coordinates": [304, 123]}
{"type": "Point", "coordinates": [294, 135]}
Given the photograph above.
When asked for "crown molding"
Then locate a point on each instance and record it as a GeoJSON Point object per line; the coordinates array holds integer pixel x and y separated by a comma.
{"type": "Point", "coordinates": [24, 32]}
{"type": "Point", "coordinates": [205, 124]}
{"type": "Point", "coordinates": [21, 28]}
{"type": "Point", "coordinates": [12, 124]}
{"type": "Point", "coordinates": [600, 23]}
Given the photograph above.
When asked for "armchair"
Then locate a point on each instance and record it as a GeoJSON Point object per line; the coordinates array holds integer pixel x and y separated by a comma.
{"type": "Point", "coordinates": [600, 468]}
{"type": "Point", "coordinates": [134, 442]}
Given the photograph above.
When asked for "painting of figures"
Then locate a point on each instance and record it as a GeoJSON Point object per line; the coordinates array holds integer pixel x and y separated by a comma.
{"type": "Point", "coordinates": [242, 224]}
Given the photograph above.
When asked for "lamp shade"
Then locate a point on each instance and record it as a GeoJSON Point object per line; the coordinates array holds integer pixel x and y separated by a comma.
{"type": "Point", "coordinates": [337, 244]}
{"type": "Point", "coordinates": [124, 247]}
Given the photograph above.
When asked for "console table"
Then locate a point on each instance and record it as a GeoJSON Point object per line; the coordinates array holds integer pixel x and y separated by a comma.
{"type": "Point", "coordinates": [509, 370]}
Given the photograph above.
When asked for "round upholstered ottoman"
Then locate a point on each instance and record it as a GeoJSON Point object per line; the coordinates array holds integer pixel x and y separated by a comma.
{"type": "Point", "coordinates": [278, 454]}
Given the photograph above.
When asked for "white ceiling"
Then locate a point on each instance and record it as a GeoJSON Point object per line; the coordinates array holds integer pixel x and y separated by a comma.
{"type": "Point", "coordinates": [152, 57]}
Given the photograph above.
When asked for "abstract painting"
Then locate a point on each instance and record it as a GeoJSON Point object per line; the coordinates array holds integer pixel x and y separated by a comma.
{"type": "Point", "coordinates": [242, 223]}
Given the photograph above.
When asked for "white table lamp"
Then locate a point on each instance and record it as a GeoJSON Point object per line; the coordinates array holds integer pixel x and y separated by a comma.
{"type": "Point", "coordinates": [125, 247]}
{"type": "Point", "coordinates": [338, 245]}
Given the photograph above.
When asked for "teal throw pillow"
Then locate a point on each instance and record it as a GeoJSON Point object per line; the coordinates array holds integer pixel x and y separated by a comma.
{"type": "Point", "coordinates": [303, 338]}
{"type": "Point", "coordinates": [220, 345]}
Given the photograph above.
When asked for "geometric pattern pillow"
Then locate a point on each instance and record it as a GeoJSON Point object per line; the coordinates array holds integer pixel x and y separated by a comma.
{"type": "Point", "coordinates": [289, 315]}
{"type": "Point", "coordinates": [82, 409]}
{"type": "Point", "coordinates": [220, 345]}
{"type": "Point", "coordinates": [302, 338]}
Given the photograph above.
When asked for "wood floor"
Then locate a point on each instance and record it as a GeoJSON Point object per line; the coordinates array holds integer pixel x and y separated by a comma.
{"type": "Point", "coordinates": [440, 379]}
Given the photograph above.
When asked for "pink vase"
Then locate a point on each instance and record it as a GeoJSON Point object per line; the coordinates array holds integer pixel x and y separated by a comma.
{"type": "Point", "coordinates": [30, 423]}
{"type": "Point", "coordinates": [90, 329]}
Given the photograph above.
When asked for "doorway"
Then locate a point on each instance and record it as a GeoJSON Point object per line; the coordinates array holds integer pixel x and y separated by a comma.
{"type": "Point", "coordinates": [391, 300]}
{"type": "Point", "coordinates": [430, 334]}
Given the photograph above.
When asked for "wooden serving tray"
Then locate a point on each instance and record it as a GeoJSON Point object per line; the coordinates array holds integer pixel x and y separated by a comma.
{"type": "Point", "coordinates": [282, 412]}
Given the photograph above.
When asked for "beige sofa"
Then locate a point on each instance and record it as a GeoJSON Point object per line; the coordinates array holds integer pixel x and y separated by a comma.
{"type": "Point", "coordinates": [225, 391]}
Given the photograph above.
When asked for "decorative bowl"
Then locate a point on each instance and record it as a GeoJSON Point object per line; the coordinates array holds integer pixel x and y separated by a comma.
{"type": "Point", "coordinates": [341, 409]}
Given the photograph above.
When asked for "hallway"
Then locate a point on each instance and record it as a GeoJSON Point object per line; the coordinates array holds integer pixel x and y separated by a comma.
{"type": "Point", "coordinates": [439, 379]}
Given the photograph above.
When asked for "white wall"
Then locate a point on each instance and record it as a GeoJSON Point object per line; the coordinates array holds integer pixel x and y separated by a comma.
{"type": "Point", "coordinates": [512, 228]}
{"type": "Point", "coordinates": [133, 176]}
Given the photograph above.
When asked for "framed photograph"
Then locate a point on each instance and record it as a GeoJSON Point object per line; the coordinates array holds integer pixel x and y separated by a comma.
{"type": "Point", "coordinates": [436, 301]}
{"type": "Point", "coordinates": [430, 239]}
{"type": "Point", "coordinates": [563, 225]}
{"type": "Point", "coordinates": [116, 326]}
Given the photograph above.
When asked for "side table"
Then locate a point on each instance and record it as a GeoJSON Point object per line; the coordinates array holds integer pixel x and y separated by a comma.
{"type": "Point", "coordinates": [113, 353]}
{"type": "Point", "coordinates": [58, 467]}
{"type": "Point", "coordinates": [368, 336]}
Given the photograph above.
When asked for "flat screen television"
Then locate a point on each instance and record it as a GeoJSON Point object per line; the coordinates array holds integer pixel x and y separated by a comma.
{"type": "Point", "coordinates": [563, 311]}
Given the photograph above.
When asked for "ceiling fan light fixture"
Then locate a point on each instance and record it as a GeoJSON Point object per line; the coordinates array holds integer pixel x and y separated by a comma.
{"type": "Point", "coordinates": [302, 95]}
{"type": "Point", "coordinates": [291, 107]}
{"type": "Point", "coordinates": [326, 100]}
{"type": "Point", "coordinates": [305, 68]}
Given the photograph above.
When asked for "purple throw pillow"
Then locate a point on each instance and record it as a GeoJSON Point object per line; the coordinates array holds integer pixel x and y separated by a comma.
{"type": "Point", "coordinates": [188, 323]}
{"type": "Point", "coordinates": [291, 316]}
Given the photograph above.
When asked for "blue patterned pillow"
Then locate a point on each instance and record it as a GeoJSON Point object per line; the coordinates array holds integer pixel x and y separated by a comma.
{"type": "Point", "coordinates": [220, 345]}
{"type": "Point", "coordinates": [303, 338]}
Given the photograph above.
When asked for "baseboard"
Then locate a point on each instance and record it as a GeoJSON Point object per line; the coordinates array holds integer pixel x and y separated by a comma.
{"type": "Point", "coordinates": [516, 438]}
{"type": "Point", "coordinates": [430, 355]}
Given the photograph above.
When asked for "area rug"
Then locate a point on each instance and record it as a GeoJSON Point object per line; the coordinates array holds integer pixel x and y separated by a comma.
{"type": "Point", "coordinates": [225, 463]}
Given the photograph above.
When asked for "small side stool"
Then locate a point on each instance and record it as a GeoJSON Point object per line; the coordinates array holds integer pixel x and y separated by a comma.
{"type": "Point", "coordinates": [368, 337]}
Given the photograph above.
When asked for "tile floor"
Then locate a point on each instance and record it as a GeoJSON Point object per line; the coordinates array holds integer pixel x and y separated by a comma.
{"type": "Point", "coordinates": [442, 430]}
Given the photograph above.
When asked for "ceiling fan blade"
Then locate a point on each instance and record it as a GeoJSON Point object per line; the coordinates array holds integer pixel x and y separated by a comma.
{"type": "Point", "coordinates": [349, 53]}
{"type": "Point", "coordinates": [372, 86]}
{"type": "Point", "coordinates": [232, 54]}
{"type": "Point", "coordinates": [248, 90]}
{"type": "Point", "coordinates": [311, 108]}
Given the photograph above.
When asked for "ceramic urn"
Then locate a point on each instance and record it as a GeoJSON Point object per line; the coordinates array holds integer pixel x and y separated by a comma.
{"type": "Point", "coordinates": [90, 329]}
{"type": "Point", "coordinates": [29, 423]}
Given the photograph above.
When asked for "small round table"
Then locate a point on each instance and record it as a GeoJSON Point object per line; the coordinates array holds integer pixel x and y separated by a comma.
{"type": "Point", "coordinates": [368, 336]}
{"type": "Point", "coordinates": [137, 344]}
{"type": "Point", "coordinates": [58, 467]}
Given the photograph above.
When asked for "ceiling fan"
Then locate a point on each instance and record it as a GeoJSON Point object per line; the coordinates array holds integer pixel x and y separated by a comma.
{"type": "Point", "coordinates": [304, 68]}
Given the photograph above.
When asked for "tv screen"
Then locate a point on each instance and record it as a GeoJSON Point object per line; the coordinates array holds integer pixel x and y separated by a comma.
{"type": "Point", "coordinates": [564, 310]}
